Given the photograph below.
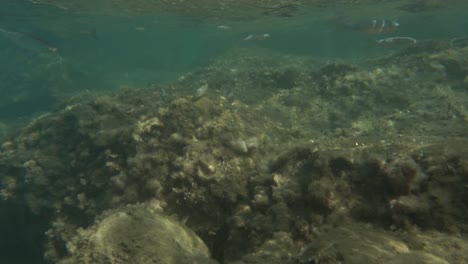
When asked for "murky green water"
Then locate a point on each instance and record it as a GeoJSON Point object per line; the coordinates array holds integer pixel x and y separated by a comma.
{"type": "Point", "coordinates": [53, 50]}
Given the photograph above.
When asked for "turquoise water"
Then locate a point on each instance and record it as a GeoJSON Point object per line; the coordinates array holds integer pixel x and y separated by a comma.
{"type": "Point", "coordinates": [50, 51]}
{"type": "Point", "coordinates": [102, 49]}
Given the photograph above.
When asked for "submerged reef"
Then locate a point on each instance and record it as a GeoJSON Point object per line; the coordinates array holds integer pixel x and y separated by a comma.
{"type": "Point", "coordinates": [256, 160]}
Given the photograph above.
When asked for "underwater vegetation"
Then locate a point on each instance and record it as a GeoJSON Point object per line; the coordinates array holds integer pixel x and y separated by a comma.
{"type": "Point", "coordinates": [256, 159]}
{"type": "Point", "coordinates": [251, 156]}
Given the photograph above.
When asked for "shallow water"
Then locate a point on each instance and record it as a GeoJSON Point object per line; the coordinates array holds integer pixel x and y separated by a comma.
{"type": "Point", "coordinates": [107, 48]}
{"type": "Point", "coordinates": [60, 49]}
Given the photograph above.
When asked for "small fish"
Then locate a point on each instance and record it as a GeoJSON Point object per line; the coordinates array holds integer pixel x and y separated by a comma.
{"type": "Point", "coordinates": [27, 42]}
{"type": "Point", "coordinates": [397, 41]}
{"type": "Point", "coordinates": [49, 4]}
{"type": "Point", "coordinates": [224, 27]}
{"type": "Point", "coordinates": [257, 37]}
{"type": "Point", "coordinates": [376, 27]}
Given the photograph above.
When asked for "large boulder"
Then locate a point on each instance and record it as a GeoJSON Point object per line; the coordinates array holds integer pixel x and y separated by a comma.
{"type": "Point", "coordinates": [136, 234]}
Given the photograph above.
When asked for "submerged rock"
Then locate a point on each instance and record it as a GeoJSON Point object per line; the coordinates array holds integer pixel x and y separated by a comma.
{"type": "Point", "coordinates": [365, 244]}
{"type": "Point", "coordinates": [136, 234]}
{"type": "Point", "coordinates": [263, 166]}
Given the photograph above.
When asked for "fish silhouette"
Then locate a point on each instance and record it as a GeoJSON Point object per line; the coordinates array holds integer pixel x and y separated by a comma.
{"type": "Point", "coordinates": [397, 41]}
{"type": "Point", "coordinates": [376, 26]}
{"type": "Point", "coordinates": [26, 41]}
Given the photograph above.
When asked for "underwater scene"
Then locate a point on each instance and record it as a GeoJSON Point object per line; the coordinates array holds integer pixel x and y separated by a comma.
{"type": "Point", "coordinates": [233, 132]}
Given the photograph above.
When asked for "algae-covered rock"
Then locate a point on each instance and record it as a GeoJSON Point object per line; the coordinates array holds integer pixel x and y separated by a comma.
{"type": "Point", "coordinates": [260, 165]}
{"type": "Point", "coordinates": [136, 234]}
{"type": "Point", "coordinates": [277, 250]}
{"type": "Point", "coordinates": [366, 244]}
